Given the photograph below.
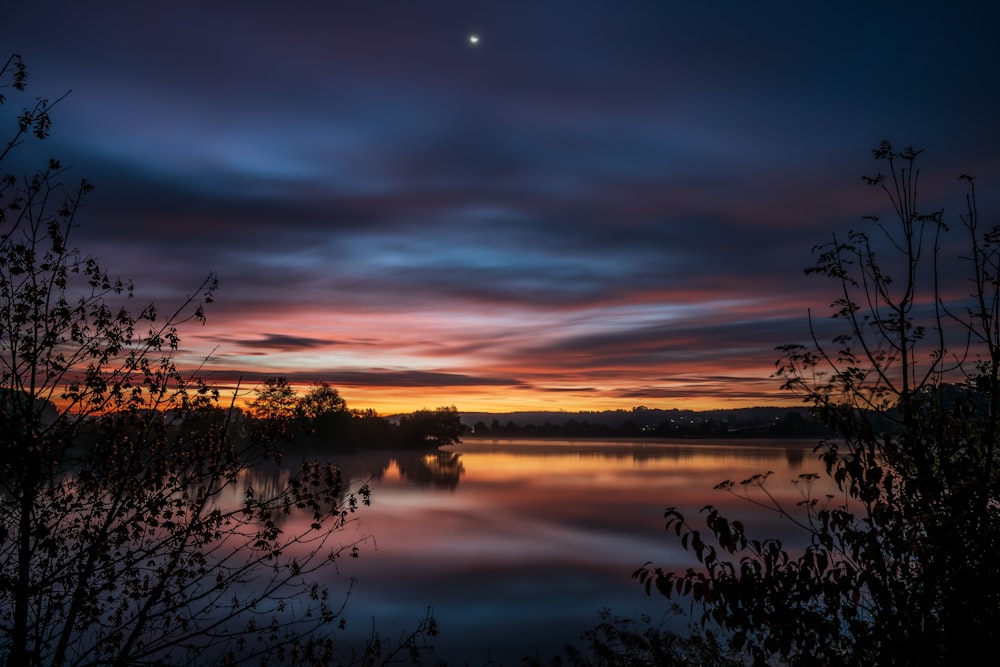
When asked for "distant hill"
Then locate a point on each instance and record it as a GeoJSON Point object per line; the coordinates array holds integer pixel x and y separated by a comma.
{"type": "Point", "coordinates": [759, 421]}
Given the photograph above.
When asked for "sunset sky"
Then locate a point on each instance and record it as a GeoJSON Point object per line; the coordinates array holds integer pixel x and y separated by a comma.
{"type": "Point", "coordinates": [597, 205]}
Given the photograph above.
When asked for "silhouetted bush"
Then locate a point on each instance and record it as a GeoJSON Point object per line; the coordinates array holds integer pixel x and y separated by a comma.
{"type": "Point", "coordinates": [899, 568]}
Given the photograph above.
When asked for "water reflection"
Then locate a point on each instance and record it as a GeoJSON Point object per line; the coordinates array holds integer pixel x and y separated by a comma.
{"type": "Point", "coordinates": [516, 545]}
{"type": "Point", "coordinates": [439, 470]}
{"type": "Point", "coordinates": [792, 453]}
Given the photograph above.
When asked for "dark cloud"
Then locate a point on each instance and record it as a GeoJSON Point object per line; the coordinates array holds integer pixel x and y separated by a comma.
{"type": "Point", "coordinates": [418, 379]}
{"type": "Point", "coordinates": [281, 342]}
{"type": "Point", "coordinates": [372, 378]}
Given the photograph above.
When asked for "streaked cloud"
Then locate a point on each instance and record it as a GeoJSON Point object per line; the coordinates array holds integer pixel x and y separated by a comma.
{"type": "Point", "coordinates": [596, 206]}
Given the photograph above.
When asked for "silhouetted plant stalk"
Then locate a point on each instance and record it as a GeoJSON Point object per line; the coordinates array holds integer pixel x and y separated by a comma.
{"type": "Point", "coordinates": [899, 568]}
{"type": "Point", "coordinates": [130, 528]}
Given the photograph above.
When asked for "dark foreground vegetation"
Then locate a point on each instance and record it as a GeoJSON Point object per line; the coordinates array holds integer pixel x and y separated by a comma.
{"type": "Point", "coordinates": [131, 532]}
{"type": "Point", "coordinates": [900, 568]}
{"type": "Point", "coordinates": [134, 525]}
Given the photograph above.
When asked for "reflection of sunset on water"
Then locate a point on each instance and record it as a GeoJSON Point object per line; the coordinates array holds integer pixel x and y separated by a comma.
{"type": "Point", "coordinates": [391, 474]}
{"type": "Point", "coordinates": [538, 535]}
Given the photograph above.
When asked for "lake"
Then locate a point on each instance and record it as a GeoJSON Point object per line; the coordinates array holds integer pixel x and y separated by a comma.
{"type": "Point", "coordinates": [516, 545]}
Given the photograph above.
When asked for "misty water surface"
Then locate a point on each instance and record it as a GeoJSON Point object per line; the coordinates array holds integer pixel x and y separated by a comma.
{"type": "Point", "coordinates": [516, 545]}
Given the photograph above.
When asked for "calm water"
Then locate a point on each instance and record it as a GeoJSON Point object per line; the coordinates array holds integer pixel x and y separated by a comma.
{"type": "Point", "coordinates": [516, 545]}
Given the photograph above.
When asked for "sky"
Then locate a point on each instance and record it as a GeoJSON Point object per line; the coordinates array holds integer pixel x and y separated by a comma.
{"type": "Point", "coordinates": [597, 205]}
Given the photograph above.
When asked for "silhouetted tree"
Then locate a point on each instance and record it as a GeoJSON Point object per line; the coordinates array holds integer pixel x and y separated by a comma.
{"type": "Point", "coordinates": [320, 401]}
{"type": "Point", "coordinates": [275, 408]}
{"type": "Point", "coordinates": [130, 529]}
{"type": "Point", "coordinates": [899, 569]}
{"type": "Point", "coordinates": [327, 419]}
{"type": "Point", "coordinates": [442, 426]}
{"type": "Point", "coordinates": [368, 428]}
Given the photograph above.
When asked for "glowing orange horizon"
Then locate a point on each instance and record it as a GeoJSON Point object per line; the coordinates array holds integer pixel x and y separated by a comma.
{"type": "Point", "coordinates": [405, 400]}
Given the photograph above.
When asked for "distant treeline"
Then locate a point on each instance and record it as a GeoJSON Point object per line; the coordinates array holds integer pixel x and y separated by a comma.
{"type": "Point", "coordinates": [340, 431]}
{"type": "Point", "coordinates": [365, 430]}
{"type": "Point", "coordinates": [651, 423]}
